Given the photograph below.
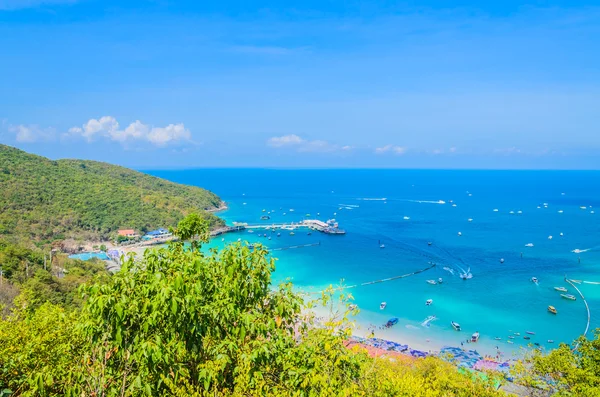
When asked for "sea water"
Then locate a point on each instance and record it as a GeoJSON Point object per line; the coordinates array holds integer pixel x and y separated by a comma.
{"type": "Point", "coordinates": [372, 206]}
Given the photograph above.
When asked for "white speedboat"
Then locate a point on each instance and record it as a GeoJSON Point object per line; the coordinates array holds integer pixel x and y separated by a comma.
{"type": "Point", "coordinates": [428, 302]}
{"type": "Point", "coordinates": [432, 282]}
{"type": "Point", "coordinates": [406, 218]}
{"type": "Point", "coordinates": [475, 337]}
{"type": "Point", "coordinates": [382, 246]}
{"type": "Point", "coordinates": [428, 320]}
{"type": "Point", "coordinates": [549, 237]}
{"type": "Point", "coordinates": [440, 280]}
{"type": "Point", "coordinates": [561, 289]}
{"type": "Point", "coordinates": [529, 245]}
{"type": "Point", "coordinates": [466, 274]}
{"type": "Point", "coordinates": [569, 296]}
{"type": "Point", "coordinates": [382, 305]}
{"type": "Point", "coordinates": [455, 325]}
{"type": "Point", "coordinates": [495, 209]}
{"type": "Point", "coordinates": [459, 233]}
{"type": "Point", "coordinates": [470, 220]}
{"type": "Point", "coordinates": [534, 280]}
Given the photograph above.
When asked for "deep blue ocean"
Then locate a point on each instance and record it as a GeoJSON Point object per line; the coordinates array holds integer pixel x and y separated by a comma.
{"type": "Point", "coordinates": [498, 301]}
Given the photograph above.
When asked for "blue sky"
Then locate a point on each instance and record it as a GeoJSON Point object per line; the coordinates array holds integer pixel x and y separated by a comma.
{"type": "Point", "coordinates": [420, 84]}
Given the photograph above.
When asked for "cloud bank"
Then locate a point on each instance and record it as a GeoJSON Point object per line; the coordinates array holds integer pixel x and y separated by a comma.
{"type": "Point", "coordinates": [293, 141]}
{"type": "Point", "coordinates": [107, 127]}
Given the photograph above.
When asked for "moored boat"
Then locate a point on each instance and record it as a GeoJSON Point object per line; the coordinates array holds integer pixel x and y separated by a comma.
{"type": "Point", "coordinates": [455, 325]}
{"type": "Point", "coordinates": [534, 280]}
{"type": "Point", "coordinates": [382, 305]}
{"type": "Point", "coordinates": [475, 337]}
{"type": "Point", "coordinates": [530, 332]}
{"type": "Point", "coordinates": [440, 280]}
{"type": "Point", "coordinates": [432, 282]}
{"type": "Point", "coordinates": [569, 296]}
{"type": "Point", "coordinates": [428, 302]}
{"type": "Point", "coordinates": [391, 322]}
{"type": "Point", "coordinates": [552, 310]}
{"type": "Point", "coordinates": [561, 289]}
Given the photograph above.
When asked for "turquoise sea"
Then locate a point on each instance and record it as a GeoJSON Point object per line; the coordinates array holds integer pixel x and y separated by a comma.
{"type": "Point", "coordinates": [498, 301]}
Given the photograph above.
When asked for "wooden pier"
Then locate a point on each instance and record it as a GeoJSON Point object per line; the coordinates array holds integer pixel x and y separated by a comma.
{"type": "Point", "coordinates": [311, 224]}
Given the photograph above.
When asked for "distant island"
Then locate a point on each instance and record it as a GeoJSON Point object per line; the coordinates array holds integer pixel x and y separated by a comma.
{"type": "Point", "coordinates": [45, 201]}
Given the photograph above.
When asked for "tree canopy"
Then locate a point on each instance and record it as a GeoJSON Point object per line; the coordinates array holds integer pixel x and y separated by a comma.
{"type": "Point", "coordinates": [44, 200]}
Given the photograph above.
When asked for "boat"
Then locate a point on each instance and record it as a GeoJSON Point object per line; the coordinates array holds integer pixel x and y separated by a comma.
{"type": "Point", "coordinates": [449, 270]}
{"type": "Point", "coordinates": [278, 234]}
{"type": "Point", "coordinates": [352, 307]}
{"type": "Point", "coordinates": [406, 218]}
{"type": "Point", "coordinates": [530, 332]}
{"type": "Point", "coordinates": [475, 337]}
{"type": "Point", "coordinates": [534, 280]}
{"type": "Point", "coordinates": [428, 320]}
{"type": "Point", "coordinates": [391, 322]}
{"type": "Point", "coordinates": [429, 243]}
{"type": "Point", "coordinates": [529, 245]}
{"type": "Point", "coordinates": [455, 325]}
{"type": "Point", "coordinates": [432, 282]}
{"type": "Point", "coordinates": [501, 260]}
{"type": "Point", "coordinates": [466, 274]}
{"type": "Point", "coordinates": [495, 209]}
{"type": "Point", "coordinates": [561, 234]}
{"type": "Point", "coordinates": [511, 212]}
{"type": "Point", "coordinates": [550, 341]}
{"type": "Point", "coordinates": [428, 302]}
{"type": "Point", "coordinates": [470, 220]}
{"type": "Point", "coordinates": [265, 217]}
{"type": "Point", "coordinates": [292, 233]}
{"type": "Point", "coordinates": [552, 310]}
{"type": "Point", "coordinates": [440, 280]}
{"type": "Point", "coordinates": [498, 338]}
{"type": "Point", "coordinates": [459, 233]}
{"type": "Point", "coordinates": [549, 237]}
{"type": "Point", "coordinates": [560, 211]}
{"type": "Point", "coordinates": [510, 341]}
{"type": "Point", "coordinates": [569, 296]}
{"type": "Point", "coordinates": [309, 233]}
{"type": "Point", "coordinates": [382, 305]}
{"type": "Point", "coordinates": [561, 289]}
{"type": "Point", "coordinates": [526, 337]}
{"type": "Point", "coordinates": [269, 237]}
{"type": "Point", "coordinates": [511, 337]}
{"type": "Point", "coordinates": [382, 246]}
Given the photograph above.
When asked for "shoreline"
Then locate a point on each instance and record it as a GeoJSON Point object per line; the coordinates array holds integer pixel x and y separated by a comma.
{"type": "Point", "coordinates": [382, 340]}
{"type": "Point", "coordinates": [222, 207]}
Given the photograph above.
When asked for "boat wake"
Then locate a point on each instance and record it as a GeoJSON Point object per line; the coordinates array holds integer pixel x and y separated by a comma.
{"type": "Point", "coordinates": [449, 270]}
{"type": "Point", "coordinates": [348, 205]}
{"type": "Point", "coordinates": [578, 251]}
{"type": "Point", "coordinates": [427, 201]}
{"type": "Point", "coordinates": [372, 199]}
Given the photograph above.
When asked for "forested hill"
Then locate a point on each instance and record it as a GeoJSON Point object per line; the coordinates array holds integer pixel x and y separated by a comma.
{"type": "Point", "coordinates": [47, 200]}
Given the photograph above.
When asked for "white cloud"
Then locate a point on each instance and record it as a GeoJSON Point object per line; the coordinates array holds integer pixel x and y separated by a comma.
{"type": "Point", "coordinates": [286, 140]}
{"type": "Point", "coordinates": [399, 150]}
{"type": "Point", "coordinates": [302, 145]}
{"type": "Point", "coordinates": [31, 133]}
{"type": "Point", "coordinates": [108, 127]}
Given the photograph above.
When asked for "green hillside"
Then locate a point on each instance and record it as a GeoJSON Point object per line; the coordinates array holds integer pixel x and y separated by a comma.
{"type": "Point", "coordinates": [47, 200]}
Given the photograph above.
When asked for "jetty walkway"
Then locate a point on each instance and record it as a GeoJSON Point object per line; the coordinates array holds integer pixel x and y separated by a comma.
{"type": "Point", "coordinates": [311, 224]}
